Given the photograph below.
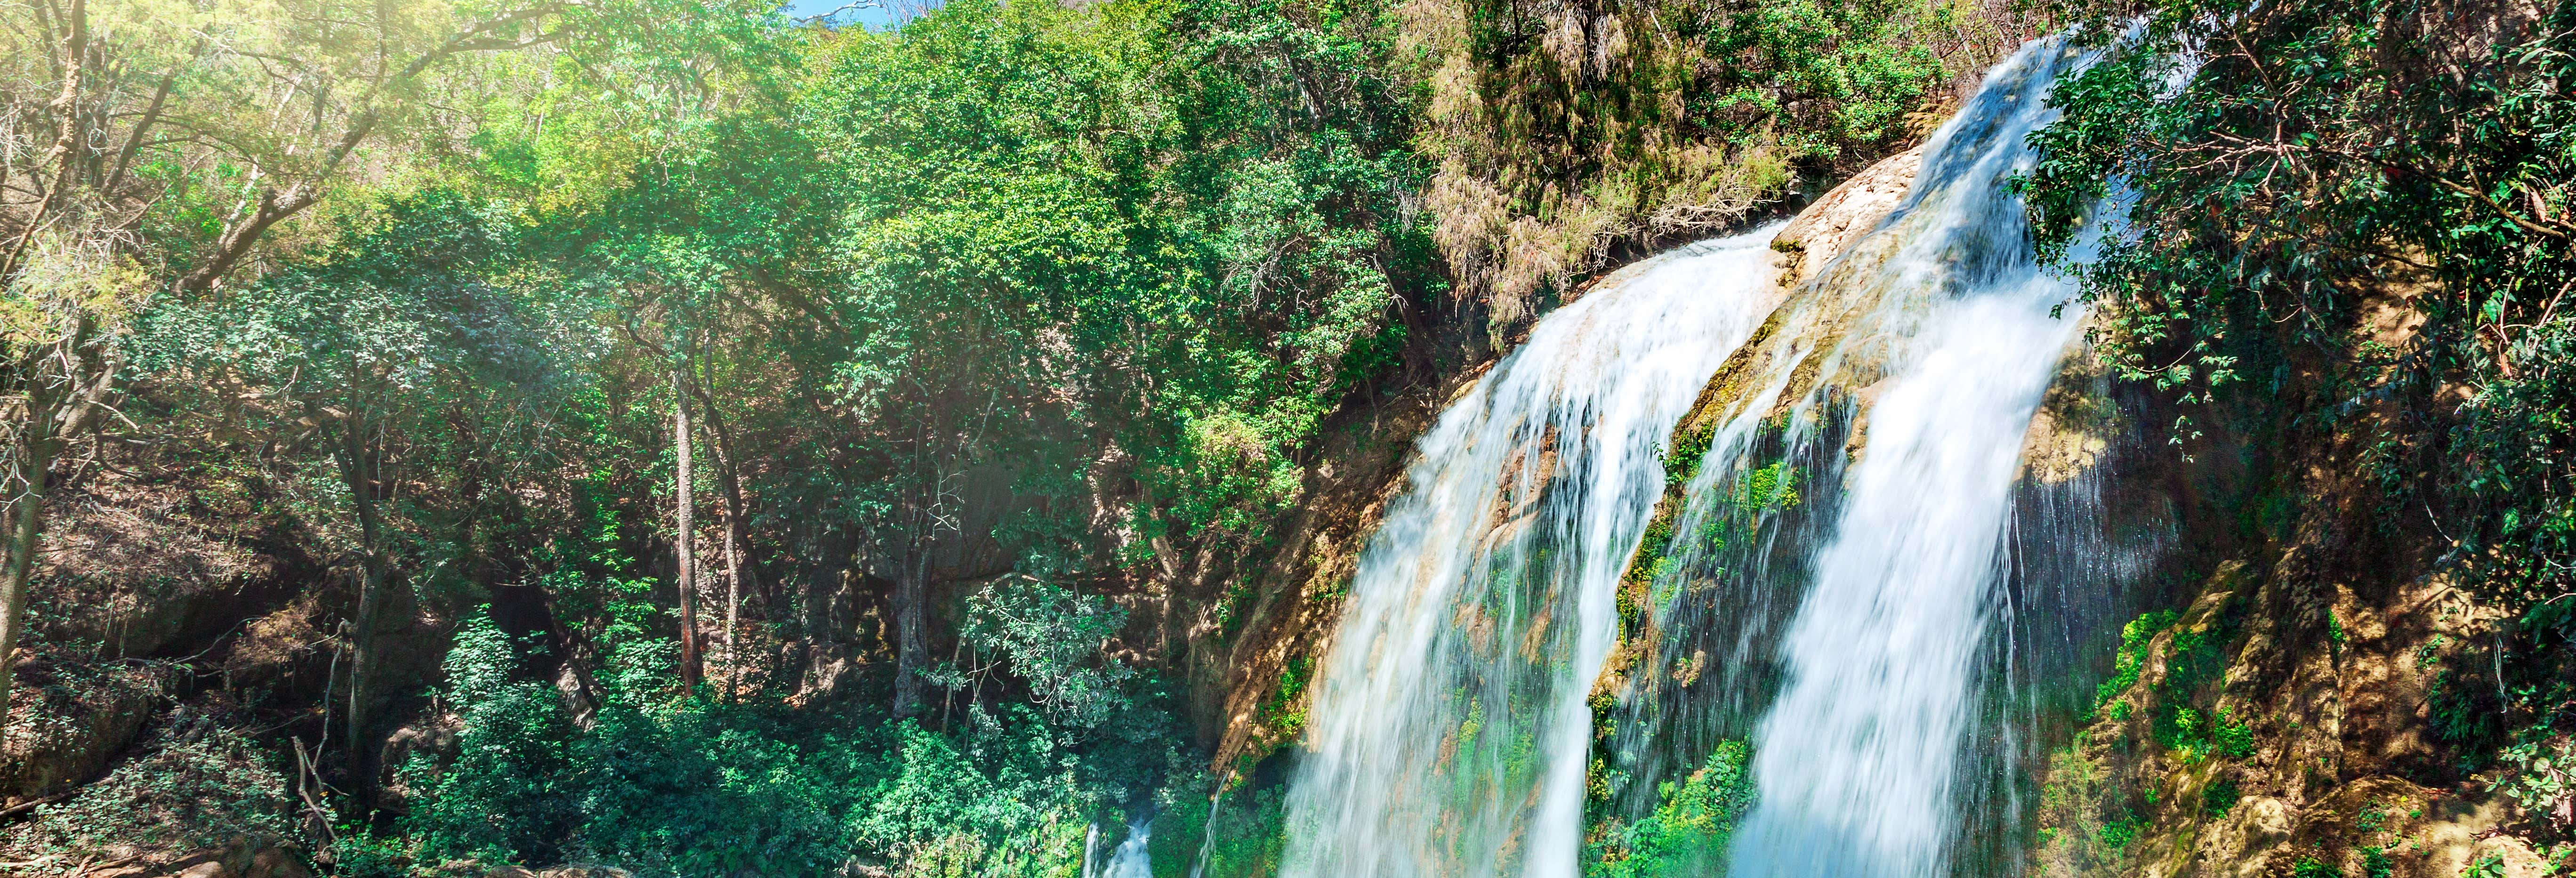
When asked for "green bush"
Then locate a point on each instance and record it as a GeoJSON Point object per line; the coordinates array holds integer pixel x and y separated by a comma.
{"type": "Point", "coordinates": [668, 783]}
{"type": "Point", "coordinates": [2220, 797]}
{"type": "Point", "coordinates": [1689, 831]}
{"type": "Point", "coordinates": [502, 796]}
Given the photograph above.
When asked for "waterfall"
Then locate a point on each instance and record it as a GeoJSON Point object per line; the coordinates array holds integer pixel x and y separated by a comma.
{"type": "Point", "coordinates": [1825, 587]}
{"type": "Point", "coordinates": [1450, 726]}
{"type": "Point", "coordinates": [1131, 859]}
{"type": "Point", "coordinates": [1858, 757]}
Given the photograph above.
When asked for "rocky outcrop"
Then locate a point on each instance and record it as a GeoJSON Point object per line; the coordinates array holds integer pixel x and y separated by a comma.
{"type": "Point", "coordinates": [69, 720]}
{"type": "Point", "coordinates": [136, 572]}
{"type": "Point", "coordinates": [2263, 738]}
{"type": "Point", "coordinates": [138, 578]}
{"type": "Point", "coordinates": [1296, 598]}
{"type": "Point", "coordinates": [2326, 701]}
{"type": "Point", "coordinates": [2074, 428]}
{"type": "Point", "coordinates": [1827, 227]}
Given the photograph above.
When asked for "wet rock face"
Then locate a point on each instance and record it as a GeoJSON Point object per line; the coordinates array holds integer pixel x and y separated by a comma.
{"type": "Point", "coordinates": [2292, 720]}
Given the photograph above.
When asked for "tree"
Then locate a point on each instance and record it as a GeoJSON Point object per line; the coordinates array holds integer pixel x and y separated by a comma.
{"type": "Point", "coordinates": [684, 527]}
{"type": "Point", "coordinates": [177, 139]}
{"type": "Point", "coordinates": [394, 359]}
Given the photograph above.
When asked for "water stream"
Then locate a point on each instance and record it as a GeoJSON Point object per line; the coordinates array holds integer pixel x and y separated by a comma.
{"type": "Point", "coordinates": [1131, 859]}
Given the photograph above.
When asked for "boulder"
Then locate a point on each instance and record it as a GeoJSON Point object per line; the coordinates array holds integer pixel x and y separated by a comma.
{"type": "Point", "coordinates": [68, 720]}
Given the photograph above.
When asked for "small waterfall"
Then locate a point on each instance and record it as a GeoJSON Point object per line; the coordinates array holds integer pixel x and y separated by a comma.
{"type": "Point", "coordinates": [1859, 759]}
{"type": "Point", "coordinates": [1131, 859]}
{"type": "Point", "coordinates": [1451, 724]}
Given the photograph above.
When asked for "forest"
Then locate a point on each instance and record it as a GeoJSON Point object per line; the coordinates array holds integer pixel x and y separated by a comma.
{"type": "Point", "coordinates": [703, 438]}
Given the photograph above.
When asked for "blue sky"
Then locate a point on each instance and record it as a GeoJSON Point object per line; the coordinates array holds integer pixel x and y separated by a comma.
{"type": "Point", "coordinates": [877, 17]}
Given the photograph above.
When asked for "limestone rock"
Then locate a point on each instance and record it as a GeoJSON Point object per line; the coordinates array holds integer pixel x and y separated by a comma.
{"type": "Point", "coordinates": [1827, 227]}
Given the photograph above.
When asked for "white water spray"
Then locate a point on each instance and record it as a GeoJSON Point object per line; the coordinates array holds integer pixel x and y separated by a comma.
{"type": "Point", "coordinates": [1450, 727]}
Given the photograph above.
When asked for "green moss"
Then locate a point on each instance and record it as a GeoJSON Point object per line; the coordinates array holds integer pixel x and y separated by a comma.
{"type": "Point", "coordinates": [2311, 867]}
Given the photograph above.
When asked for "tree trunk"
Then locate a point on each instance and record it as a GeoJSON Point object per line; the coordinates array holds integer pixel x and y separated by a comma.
{"type": "Point", "coordinates": [737, 535]}
{"type": "Point", "coordinates": [733, 605]}
{"type": "Point", "coordinates": [26, 515]}
{"type": "Point", "coordinates": [58, 406]}
{"type": "Point", "coordinates": [362, 661]}
{"type": "Point", "coordinates": [911, 622]}
{"type": "Point", "coordinates": [684, 512]}
{"type": "Point", "coordinates": [357, 471]}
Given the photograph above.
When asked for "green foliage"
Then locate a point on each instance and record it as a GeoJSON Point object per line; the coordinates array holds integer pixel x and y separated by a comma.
{"type": "Point", "coordinates": [2193, 664]}
{"type": "Point", "coordinates": [1858, 65]}
{"type": "Point", "coordinates": [1062, 293]}
{"type": "Point", "coordinates": [2220, 797]}
{"type": "Point", "coordinates": [1561, 132]}
{"type": "Point", "coordinates": [1249, 837]}
{"type": "Point", "coordinates": [2540, 770]}
{"type": "Point", "coordinates": [1766, 489]}
{"type": "Point", "coordinates": [676, 785]}
{"type": "Point", "coordinates": [2461, 714]}
{"type": "Point", "coordinates": [2430, 652]}
{"type": "Point", "coordinates": [1689, 449]}
{"type": "Point", "coordinates": [2376, 864]}
{"type": "Point", "coordinates": [2231, 738]}
{"type": "Point", "coordinates": [2136, 638]}
{"type": "Point", "coordinates": [1008, 802]}
{"type": "Point", "coordinates": [1053, 638]}
{"type": "Point", "coordinates": [1124, 182]}
{"type": "Point", "coordinates": [2339, 157]}
{"type": "Point", "coordinates": [1688, 832]}
{"type": "Point", "coordinates": [197, 783]}
{"type": "Point", "coordinates": [2311, 867]}
{"type": "Point", "coordinates": [502, 797]}
{"type": "Point", "coordinates": [1285, 710]}
{"type": "Point", "coordinates": [2118, 834]}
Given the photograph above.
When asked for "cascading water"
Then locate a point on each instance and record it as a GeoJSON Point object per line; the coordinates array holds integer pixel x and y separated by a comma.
{"type": "Point", "coordinates": [1132, 859]}
{"type": "Point", "coordinates": [1857, 759]}
{"type": "Point", "coordinates": [1453, 726]}
{"type": "Point", "coordinates": [1450, 726]}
